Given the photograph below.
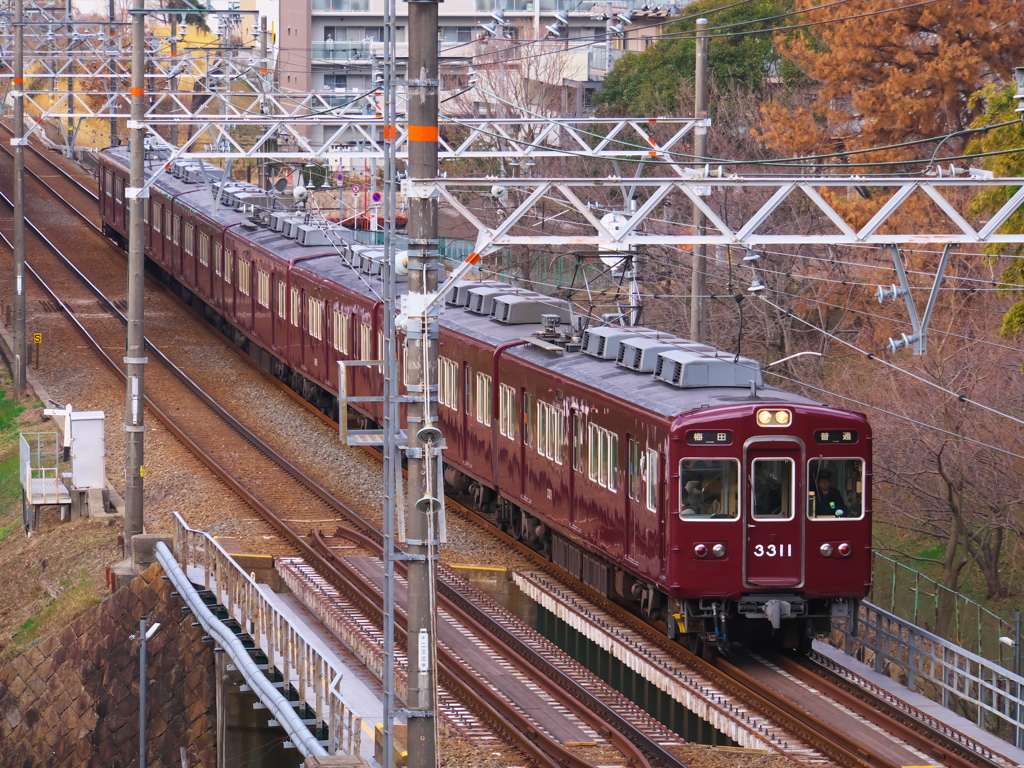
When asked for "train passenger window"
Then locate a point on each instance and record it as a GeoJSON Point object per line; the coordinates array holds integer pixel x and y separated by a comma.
{"type": "Point", "coordinates": [550, 431]}
{"type": "Point", "coordinates": [108, 188]}
{"type": "Point", "coordinates": [244, 276]}
{"type": "Point", "coordinates": [709, 488]}
{"type": "Point", "coordinates": [218, 258]}
{"type": "Point", "coordinates": [177, 229]}
{"type": "Point", "coordinates": [119, 190]}
{"type": "Point", "coordinates": [340, 330]}
{"type": "Point", "coordinates": [157, 216]}
{"type": "Point", "coordinates": [772, 490]}
{"type": "Point", "coordinates": [448, 382]}
{"type": "Point", "coordinates": [650, 471]}
{"type": "Point", "coordinates": [635, 471]}
{"type": "Point", "coordinates": [296, 313]}
{"type": "Point", "coordinates": [835, 488]}
{"type": "Point", "coordinates": [365, 342]}
{"type": "Point", "coordinates": [604, 457]}
{"type": "Point", "coordinates": [204, 249]}
{"type": "Point", "coordinates": [145, 211]}
{"type": "Point", "coordinates": [483, 399]}
{"type": "Point", "coordinates": [189, 238]}
{"type": "Point", "coordinates": [168, 228]}
{"type": "Point", "coordinates": [579, 440]}
{"type": "Point", "coordinates": [282, 300]}
{"type": "Point", "coordinates": [315, 308]}
{"type": "Point", "coordinates": [262, 287]}
{"type": "Point", "coordinates": [229, 263]}
{"type": "Point", "coordinates": [507, 411]}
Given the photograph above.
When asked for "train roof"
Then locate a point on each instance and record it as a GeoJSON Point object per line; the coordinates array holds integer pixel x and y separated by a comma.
{"type": "Point", "coordinates": [326, 263]}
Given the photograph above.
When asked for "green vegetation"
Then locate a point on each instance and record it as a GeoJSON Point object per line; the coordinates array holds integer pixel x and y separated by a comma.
{"type": "Point", "coordinates": [649, 83]}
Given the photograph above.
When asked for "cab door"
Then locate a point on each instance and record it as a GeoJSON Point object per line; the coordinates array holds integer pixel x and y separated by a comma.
{"type": "Point", "coordinates": [773, 520]}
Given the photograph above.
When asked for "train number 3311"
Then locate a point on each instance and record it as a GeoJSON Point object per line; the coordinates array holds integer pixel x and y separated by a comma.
{"type": "Point", "coordinates": [773, 550]}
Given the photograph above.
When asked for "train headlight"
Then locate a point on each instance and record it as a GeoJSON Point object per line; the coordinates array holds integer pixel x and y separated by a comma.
{"type": "Point", "coordinates": [718, 550]}
{"type": "Point", "coordinates": [701, 550]}
{"type": "Point", "coordinates": [769, 418]}
{"type": "Point", "coordinates": [826, 550]}
{"type": "Point", "coordinates": [844, 549]}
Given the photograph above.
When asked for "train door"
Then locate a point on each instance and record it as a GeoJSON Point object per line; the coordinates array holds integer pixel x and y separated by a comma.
{"type": "Point", "coordinates": [773, 520]}
{"type": "Point", "coordinates": [527, 441]}
{"type": "Point", "coordinates": [577, 429]}
{"type": "Point", "coordinates": [634, 502]}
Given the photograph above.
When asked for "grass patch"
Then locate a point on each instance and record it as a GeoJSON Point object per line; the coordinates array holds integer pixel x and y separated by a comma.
{"type": "Point", "coordinates": [9, 411]}
{"type": "Point", "coordinates": [51, 617]}
{"type": "Point", "coordinates": [8, 528]}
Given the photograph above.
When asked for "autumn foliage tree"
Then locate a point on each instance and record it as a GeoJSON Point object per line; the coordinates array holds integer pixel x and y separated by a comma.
{"type": "Point", "coordinates": [890, 74]}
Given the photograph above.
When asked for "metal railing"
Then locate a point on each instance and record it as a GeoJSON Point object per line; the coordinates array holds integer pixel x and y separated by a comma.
{"type": "Point", "coordinates": [963, 682]}
{"type": "Point", "coordinates": [342, 50]}
{"type": "Point", "coordinates": [341, 6]}
{"type": "Point", "coordinates": [313, 676]}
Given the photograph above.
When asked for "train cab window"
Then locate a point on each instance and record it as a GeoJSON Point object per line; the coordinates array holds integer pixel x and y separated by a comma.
{"type": "Point", "coordinates": [772, 490]}
{"type": "Point", "coordinates": [339, 331]}
{"type": "Point", "coordinates": [483, 399]}
{"type": "Point", "coordinates": [835, 488]}
{"type": "Point", "coordinates": [709, 488]}
{"type": "Point", "coordinates": [507, 411]}
{"type": "Point", "coordinates": [229, 264]}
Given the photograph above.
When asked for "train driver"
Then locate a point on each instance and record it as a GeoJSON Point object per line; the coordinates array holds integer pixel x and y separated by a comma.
{"type": "Point", "coordinates": [828, 501]}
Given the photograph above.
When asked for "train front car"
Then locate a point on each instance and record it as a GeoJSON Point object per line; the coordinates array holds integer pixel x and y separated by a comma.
{"type": "Point", "coordinates": [771, 531]}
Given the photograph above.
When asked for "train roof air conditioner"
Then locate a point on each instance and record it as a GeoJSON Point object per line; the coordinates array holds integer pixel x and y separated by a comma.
{"type": "Point", "coordinates": [641, 354]}
{"type": "Point", "coordinates": [687, 368]}
{"type": "Point", "coordinates": [291, 227]}
{"type": "Point", "coordinates": [200, 172]}
{"type": "Point", "coordinates": [520, 309]}
{"type": "Point", "coordinates": [371, 262]}
{"type": "Point", "coordinates": [603, 342]}
{"type": "Point", "coordinates": [317, 233]}
{"type": "Point", "coordinates": [481, 299]}
{"type": "Point", "coordinates": [458, 294]}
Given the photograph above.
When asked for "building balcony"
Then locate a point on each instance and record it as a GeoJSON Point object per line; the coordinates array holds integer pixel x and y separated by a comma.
{"type": "Point", "coordinates": [348, 50]}
{"type": "Point", "coordinates": [341, 6]}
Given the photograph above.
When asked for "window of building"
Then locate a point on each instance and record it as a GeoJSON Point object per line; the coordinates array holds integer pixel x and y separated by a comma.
{"type": "Point", "coordinates": [335, 81]}
{"type": "Point", "coordinates": [262, 288]}
{"type": "Point", "coordinates": [483, 399]}
{"type": "Point", "coordinates": [296, 307]}
{"type": "Point", "coordinates": [244, 277]}
{"type": "Point", "coordinates": [315, 308]}
{"type": "Point", "coordinates": [507, 411]}
{"type": "Point", "coordinates": [340, 331]}
{"type": "Point", "coordinates": [457, 34]}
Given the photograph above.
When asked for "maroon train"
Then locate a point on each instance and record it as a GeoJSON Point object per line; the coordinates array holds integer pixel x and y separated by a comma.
{"type": "Point", "coordinates": [656, 470]}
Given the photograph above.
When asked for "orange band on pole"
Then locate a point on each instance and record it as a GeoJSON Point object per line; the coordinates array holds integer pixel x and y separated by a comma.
{"type": "Point", "coordinates": [19, 80]}
{"type": "Point", "coordinates": [390, 132]}
{"type": "Point", "coordinates": [473, 258]}
{"type": "Point", "coordinates": [422, 133]}
{"type": "Point", "coordinates": [263, 70]}
{"type": "Point", "coordinates": [138, 91]}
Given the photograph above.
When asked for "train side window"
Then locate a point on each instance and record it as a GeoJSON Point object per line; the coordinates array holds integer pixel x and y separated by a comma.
{"type": "Point", "coordinates": [773, 488]}
{"type": "Point", "coordinates": [594, 463]}
{"type": "Point", "coordinates": [296, 311]}
{"type": "Point", "coordinates": [177, 230]}
{"type": "Point", "coordinates": [157, 216]}
{"type": "Point", "coordinates": [262, 287]}
{"type": "Point", "coordinates": [145, 211]}
{"type": "Point", "coordinates": [651, 479]}
{"type": "Point", "coordinates": [315, 308]}
{"type": "Point", "coordinates": [244, 277]}
{"type": "Point", "coordinates": [527, 418]}
{"type": "Point", "coordinates": [108, 188]}
{"type": "Point", "coordinates": [365, 342]}
{"type": "Point", "coordinates": [189, 238]}
{"type": "Point", "coordinates": [635, 470]}
{"type": "Point", "coordinates": [119, 190]}
{"type": "Point", "coordinates": [168, 224]}
{"type": "Point", "coordinates": [282, 299]}
{"type": "Point", "coordinates": [550, 431]}
{"type": "Point", "coordinates": [709, 488]}
{"type": "Point", "coordinates": [604, 457]}
{"type": "Point", "coordinates": [218, 259]}
{"type": "Point", "coordinates": [340, 330]}
{"type": "Point", "coordinates": [483, 399]}
{"type": "Point", "coordinates": [229, 264]}
{"type": "Point", "coordinates": [507, 411]}
{"type": "Point", "coordinates": [467, 388]}
{"type": "Point", "coordinates": [835, 488]}
{"type": "Point", "coordinates": [578, 442]}
{"type": "Point", "coordinates": [204, 249]}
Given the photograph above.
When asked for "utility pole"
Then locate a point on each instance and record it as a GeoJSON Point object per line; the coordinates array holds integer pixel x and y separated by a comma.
{"type": "Point", "coordinates": [70, 139]}
{"type": "Point", "coordinates": [699, 279]}
{"type": "Point", "coordinates": [172, 83]}
{"type": "Point", "coordinates": [264, 86]}
{"type": "Point", "coordinates": [421, 340]}
{"type": "Point", "coordinates": [135, 360]}
{"type": "Point", "coordinates": [112, 81]}
{"type": "Point", "coordinates": [18, 239]}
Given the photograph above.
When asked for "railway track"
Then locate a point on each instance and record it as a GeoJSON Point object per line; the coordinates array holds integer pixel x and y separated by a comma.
{"type": "Point", "coordinates": [949, 749]}
{"type": "Point", "coordinates": [278, 491]}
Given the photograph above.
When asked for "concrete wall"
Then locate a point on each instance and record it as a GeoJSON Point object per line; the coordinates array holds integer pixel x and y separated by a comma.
{"type": "Point", "coordinates": [73, 700]}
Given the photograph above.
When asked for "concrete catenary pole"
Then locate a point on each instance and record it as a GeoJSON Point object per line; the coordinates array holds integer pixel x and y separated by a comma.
{"type": "Point", "coordinates": [18, 235]}
{"type": "Point", "coordinates": [422, 536]}
{"type": "Point", "coordinates": [699, 280]}
{"type": "Point", "coordinates": [142, 692]}
{"type": "Point", "coordinates": [172, 81]}
{"type": "Point", "coordinates": [265, 86]}
{"type": "Point", "coordinates": [135, 359]}
{"type": "Point", "coordinates": [114, 38]}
